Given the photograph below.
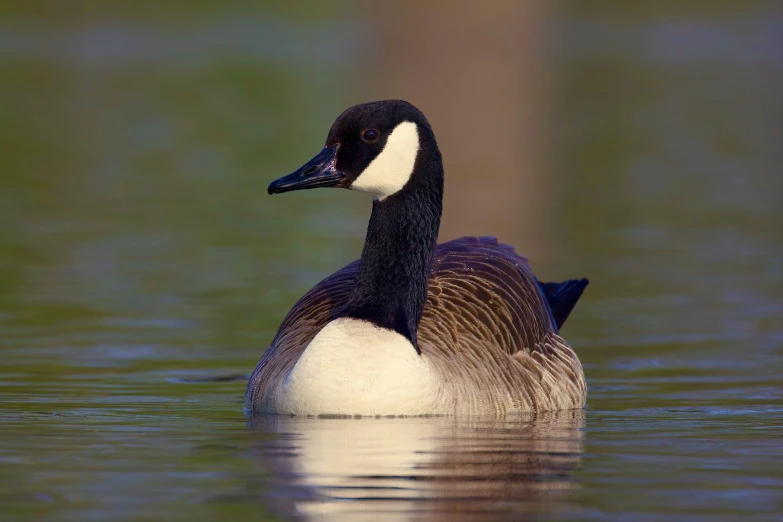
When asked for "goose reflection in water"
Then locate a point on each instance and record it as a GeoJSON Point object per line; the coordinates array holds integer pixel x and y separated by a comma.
{"type": "Point", "coordinates": [436, 468]}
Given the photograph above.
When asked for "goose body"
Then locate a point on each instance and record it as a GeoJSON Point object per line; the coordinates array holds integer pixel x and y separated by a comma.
{"type": "Point", "coordinates": [413, 328]}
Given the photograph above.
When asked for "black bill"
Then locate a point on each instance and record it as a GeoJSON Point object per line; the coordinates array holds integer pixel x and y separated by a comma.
{"type": "Point", "coordinates": [318, 172]}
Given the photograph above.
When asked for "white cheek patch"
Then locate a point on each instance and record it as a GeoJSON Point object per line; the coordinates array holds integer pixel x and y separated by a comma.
{"type": "Point", "coordinates": [392, 168]}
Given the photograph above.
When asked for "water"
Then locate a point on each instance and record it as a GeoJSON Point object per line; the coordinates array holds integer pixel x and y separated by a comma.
{"type": "Point", "coordinates": [140, 258]}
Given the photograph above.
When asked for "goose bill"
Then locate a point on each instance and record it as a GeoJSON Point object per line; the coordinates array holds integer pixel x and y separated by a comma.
{"type": "Point", "coordinates": [321, 171]}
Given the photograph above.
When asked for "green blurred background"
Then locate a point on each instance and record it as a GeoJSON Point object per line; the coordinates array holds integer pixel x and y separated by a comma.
{"type": "Point", "coordinates": [637, 144]}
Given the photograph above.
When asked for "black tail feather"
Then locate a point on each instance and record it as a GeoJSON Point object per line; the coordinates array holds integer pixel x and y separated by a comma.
{"type": "Point", "coordinates": [562, 297]}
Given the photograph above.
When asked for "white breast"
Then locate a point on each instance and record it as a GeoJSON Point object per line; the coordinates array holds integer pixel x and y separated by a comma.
{"type": "Point", "coordinates": [352, 367]}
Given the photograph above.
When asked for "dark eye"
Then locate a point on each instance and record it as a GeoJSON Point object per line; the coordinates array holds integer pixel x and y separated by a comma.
{"type": "Point", "coordinates": [370, 135]}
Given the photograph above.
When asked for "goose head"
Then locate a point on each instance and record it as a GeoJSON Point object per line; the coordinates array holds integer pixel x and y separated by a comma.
{"type": "Point", "coordinates": [380, 148]}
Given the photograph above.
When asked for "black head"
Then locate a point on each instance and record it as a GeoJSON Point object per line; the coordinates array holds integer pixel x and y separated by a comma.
{"type": "Point", "coordinates": [372, 147]}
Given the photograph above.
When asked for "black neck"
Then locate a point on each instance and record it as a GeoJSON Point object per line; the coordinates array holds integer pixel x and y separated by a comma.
{"type": "Point", "coordinates": [391, 287]}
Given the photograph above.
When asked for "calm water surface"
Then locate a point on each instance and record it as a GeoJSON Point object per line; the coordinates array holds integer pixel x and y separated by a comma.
{"type": "Point", "coordinates": [140, 257]}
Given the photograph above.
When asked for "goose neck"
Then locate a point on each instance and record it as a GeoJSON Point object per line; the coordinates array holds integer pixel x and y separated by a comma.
{"type": "Point", "coordinates": [391, 287]}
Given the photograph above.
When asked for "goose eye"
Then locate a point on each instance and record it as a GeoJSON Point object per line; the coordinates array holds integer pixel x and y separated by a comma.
{"type": "Point", "coordinates": [370, 135]}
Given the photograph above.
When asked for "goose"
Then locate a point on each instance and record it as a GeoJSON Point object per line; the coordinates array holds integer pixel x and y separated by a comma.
{"type": "Point", "coordinates": [413, 328]}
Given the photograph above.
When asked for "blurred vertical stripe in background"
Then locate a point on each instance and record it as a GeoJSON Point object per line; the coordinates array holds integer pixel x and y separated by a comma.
{"type": "Point", "coordinates": [482, 78]}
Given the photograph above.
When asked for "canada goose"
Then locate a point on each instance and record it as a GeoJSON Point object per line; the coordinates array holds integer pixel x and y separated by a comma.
{"type": "Point", "coordinates": [413, 328]}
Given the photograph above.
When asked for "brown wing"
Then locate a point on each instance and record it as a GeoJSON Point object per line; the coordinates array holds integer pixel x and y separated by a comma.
{"type": "Point", "coordinates": [506, 308]}
{"type": "Point", "coordinates": [482, 289]}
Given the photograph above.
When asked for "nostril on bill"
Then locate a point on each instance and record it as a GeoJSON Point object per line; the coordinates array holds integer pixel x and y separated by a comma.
{"type": "Point", "coordinates": [309, 171]}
